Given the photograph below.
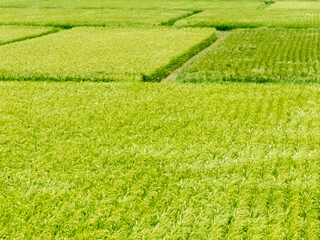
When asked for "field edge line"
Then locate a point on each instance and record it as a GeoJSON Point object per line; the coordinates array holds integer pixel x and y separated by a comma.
{"type": "Point", "coordinates": [53, 30]}
{"type": "Point", "coordinates": [163, 72]}
{"type": "Point", "coordinates": [220, 38]}
{"type": "Point", "coordinates": [172, 21]}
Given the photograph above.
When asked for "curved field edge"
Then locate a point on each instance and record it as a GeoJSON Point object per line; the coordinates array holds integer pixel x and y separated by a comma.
{"type": "Point", "coordinates": [161, 73]}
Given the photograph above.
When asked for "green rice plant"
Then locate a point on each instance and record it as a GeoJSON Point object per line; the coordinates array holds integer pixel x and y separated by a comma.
{"type": "Point", "coordinates": [296, 5]}
{"type": "Point", "coordinates": [259, 55]}
{"type": "Point", "coordinates": [125, 4]}
{"type": "Point", "coordinates": [159, 161]}
{"type": "Point", "coordinates": [100, 54]}
{"type": "Point", "coordinates": [225, 18]}
{"type": "Point", "coordinates": [87, 17]}
{"type": "Point", "coordinates": [9, 34]}
{"type": "Point", "coordinates": [282, 14]}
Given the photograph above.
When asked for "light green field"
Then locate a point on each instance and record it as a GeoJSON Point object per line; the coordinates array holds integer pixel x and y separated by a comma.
{"type": "Point", "coordinates": [226, 147]}
{"type": "Point", "coordinates": [260, 55]}
{"type": "Point", "coordinates": [246, 17]}
{"type": "Point", "coordinates": [126, 4]}
{"type": "Point", "coordinates": [155, 161]}
{"type": "Point", "coordinates": [87, 17]}
{"type": "Point", "coordinates": [13, 33]}
{"type": "Point", "coordinates": [99, 54]}
{"type": "Point", "coordinates": [296, 5]}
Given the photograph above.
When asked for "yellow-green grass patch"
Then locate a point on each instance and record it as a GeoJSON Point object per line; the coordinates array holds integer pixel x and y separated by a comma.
{"type": "Point", "coordinates": [87, 17]}
{"type": "Point", "coordinates": [311, 5]}
{"type": "Point", "coordinates": [101, 54]}
{"type": "Point", "coordinates": [242, 17]}
{"type": "Point", "coordinates": [127, 4]}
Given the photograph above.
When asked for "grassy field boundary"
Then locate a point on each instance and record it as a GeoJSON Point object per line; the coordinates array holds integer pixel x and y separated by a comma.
{"type": "Point", "coordinates": [171, 22]}
{"type": "Point", "coordinates": [58, 26]}
{"type": "Point", "coordinates": [53, 79]}
{"type": "Point", "coordinates": [256, 80]}
{"type": "Point", "coordinates": [225, 27]}
{"type": "Point", "coordinates": [53, 30]}
{"type": "Point", "coordinates": [173, 76]}
{"type": "Point", "coordinates": [229, 27]}
{"type": "Point", "coordinates": [164, 72]}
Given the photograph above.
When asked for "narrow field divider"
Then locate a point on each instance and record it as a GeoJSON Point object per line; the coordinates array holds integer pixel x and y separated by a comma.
{"type": "Point", "coordinates": [53, 30]}
{"type": "Point", "coordinates": [163, 72]}
{"type": "Point", "coordinates": [171, 22]}
{"type": "Point", "coordinates": [220, 38]}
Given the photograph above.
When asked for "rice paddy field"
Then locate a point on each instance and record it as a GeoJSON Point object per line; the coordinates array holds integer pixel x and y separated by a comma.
{"type": "Point", "coordinates": [260, 55]}
{"type": "Point", "coordinates": [67, 18]}
{"type": "Point", "coordinates": [105, 54]}
{"type": "Point", "coordinates": [252, 16]}
{"type": "Point", "coordinates": [149, 119]}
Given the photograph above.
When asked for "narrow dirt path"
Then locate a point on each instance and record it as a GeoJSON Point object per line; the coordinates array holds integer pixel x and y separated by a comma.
{"type": "Point", "coordinates": [173, 76]}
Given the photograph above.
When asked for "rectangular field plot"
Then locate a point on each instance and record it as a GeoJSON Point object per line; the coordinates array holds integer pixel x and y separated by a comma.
{"type": "Point", "coordinates": [260, 55]}
{"type": "Point", "coordinates": [13, 33]}
{"type": "Point", "coordinates": [86, 17]}
{"type": "Point", "coordinates": [146, 160]}
{"type": "Point", "coordinates": [224, 18]}
{"type": "Point", "coordinates": [229, 18]}
{"type": "Point", "coordinates": [104, 54]}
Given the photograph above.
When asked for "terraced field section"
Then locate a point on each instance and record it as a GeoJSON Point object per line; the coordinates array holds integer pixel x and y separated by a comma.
{"type": "Point", "coordinates": [155, 161]}
{"type": "Point", "coordinates": [9, 34]}
{"type": "Point", "coordinates": [88, 17]}
{"type": "Point", "coordinates": [103, 54]}
{"type": "Point", "coordinates": [298, 15]}
{"type": "Point", "coordinates": [260, 55]}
